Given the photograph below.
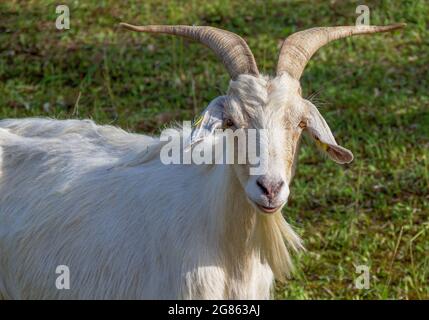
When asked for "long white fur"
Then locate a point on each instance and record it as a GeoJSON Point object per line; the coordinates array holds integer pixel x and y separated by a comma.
{"type": "Point", "coordinates": [98, 199]}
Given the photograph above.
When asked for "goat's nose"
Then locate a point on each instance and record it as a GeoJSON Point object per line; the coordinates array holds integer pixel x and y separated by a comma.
{"type": "Point", "coordinates": [270, 187]}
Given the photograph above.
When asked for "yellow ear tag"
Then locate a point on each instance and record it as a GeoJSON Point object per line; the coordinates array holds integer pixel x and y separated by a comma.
{"type": "Point", "coordinates": [198, 121]}
{"type": "Point", "coordinates": [322, 145]}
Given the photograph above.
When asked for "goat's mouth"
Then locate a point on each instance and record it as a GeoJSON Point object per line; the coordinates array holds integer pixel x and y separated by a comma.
{"type": "Point", "coordinates": [268, 209]}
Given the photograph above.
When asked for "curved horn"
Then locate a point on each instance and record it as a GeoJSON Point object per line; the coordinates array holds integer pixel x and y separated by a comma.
{"type": "Point", "coordinates": [229, 47]}
{"type": "Point", "coordinates": [299, 47]}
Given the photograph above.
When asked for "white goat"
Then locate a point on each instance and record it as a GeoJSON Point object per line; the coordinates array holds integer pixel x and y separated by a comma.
{"type": "Point", "coordinates": [98, 199]}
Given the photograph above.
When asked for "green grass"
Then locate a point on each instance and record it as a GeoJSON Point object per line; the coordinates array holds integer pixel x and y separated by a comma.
{"type": "Point", "coordinates": [373, 90]}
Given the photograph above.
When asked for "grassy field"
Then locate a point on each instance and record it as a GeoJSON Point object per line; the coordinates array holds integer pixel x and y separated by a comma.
{"type": "Point", "coordinates": [373, 90]}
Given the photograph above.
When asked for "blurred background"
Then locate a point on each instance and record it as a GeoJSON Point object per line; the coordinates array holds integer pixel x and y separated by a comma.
{"type": "Point", "coordinates": [373, 91]}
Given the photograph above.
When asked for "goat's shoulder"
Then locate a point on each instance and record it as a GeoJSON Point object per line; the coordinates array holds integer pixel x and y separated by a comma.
{"type": "Point", "coordinates": [53, 128]}
{"type": "Point", "coordinates": [68, 141]}
{"type": "Point", "coordinates": [45, 130]}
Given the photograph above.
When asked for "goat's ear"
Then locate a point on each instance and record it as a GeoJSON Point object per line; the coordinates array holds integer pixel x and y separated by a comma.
{"type": "Point", "coordinates": [209, 120]}
{"type": "Point", "coordinates": [318, 129]}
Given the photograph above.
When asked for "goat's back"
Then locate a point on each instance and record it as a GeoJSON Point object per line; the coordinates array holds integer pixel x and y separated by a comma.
{"type": "Point", "coordinates": [98, 200]}
{"type": "Point", "coordinates": [68, 198]}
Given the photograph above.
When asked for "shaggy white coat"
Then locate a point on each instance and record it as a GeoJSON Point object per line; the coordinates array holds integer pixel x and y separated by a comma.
{"type": "Point", "coordinates": [98, 199]}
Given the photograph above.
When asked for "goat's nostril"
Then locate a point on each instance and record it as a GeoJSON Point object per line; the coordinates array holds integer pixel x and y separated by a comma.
{"type": "Point", "coordinates": [263, 187]}
{"type": "Point", "coordinates": [269, 188]}
{"type": "Point", "coordinates": [279, 186]}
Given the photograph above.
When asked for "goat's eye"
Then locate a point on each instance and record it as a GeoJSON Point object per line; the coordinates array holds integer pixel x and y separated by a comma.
{"type": "Point", "coordinates": [302, 124]}
{"type": "Point", "coordinates": [228, 123]}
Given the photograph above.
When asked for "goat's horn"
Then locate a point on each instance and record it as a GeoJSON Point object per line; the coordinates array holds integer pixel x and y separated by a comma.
{"type": "Point", "coordinates": [229, 47]}
{"type": "Point", "coordinates": [299, 47]}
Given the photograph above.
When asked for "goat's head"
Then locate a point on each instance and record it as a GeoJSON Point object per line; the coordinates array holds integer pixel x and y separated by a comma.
{"type": "Point", "coordinates": [274, 104]}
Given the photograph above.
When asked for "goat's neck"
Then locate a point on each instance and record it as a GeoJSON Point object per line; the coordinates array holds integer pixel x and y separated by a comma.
{"type": "Point", "coordinates": [244, 234]}
{"type": "Point", "coordinates": [232, 214]}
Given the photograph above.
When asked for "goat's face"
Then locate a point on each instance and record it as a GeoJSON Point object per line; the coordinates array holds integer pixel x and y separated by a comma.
{"type": "Point", "coordinates": [275, 109]}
